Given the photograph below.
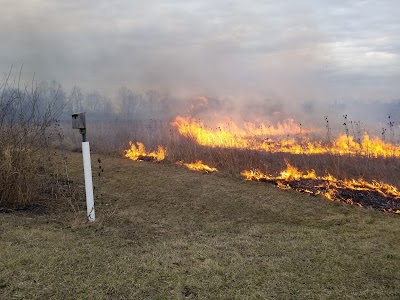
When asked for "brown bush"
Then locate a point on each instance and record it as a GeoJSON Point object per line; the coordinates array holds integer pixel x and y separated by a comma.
{"type": "Point", "coordinates": [28, 123]}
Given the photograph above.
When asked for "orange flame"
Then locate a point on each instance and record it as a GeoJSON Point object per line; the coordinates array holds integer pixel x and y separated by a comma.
{"type": "Point", "coordinates": [139, 152]}
{"type": "Point", "coordinates": [254, 138]}
{"type": "Point", "coordinates": [198, 166]}
{"type": "Point", "coordinates": [292, 173]}
{"type": "Point", "coordinates": [230, 136]}
{"type": "Point", "coordinates": [330, 187]}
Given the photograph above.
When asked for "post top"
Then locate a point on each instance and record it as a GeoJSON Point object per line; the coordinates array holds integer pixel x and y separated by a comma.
{"type": "Point", "coordinates": [74, 115]}
{"type": "Point", "coordinates": [78, 120]}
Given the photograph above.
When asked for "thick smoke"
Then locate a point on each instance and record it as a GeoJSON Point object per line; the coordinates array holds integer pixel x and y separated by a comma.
{"type": "Point", "coordinates": [264, 60]}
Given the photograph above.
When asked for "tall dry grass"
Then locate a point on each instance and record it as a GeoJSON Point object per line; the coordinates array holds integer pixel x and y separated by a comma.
{"type": "Point", "coordinates": [28, 125]}
{"type": "Point", "coordinates": [113, 137]}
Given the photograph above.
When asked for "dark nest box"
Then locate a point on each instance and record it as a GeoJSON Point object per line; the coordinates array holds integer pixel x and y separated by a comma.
{"type": "Point", "coordinates": [79, 122]}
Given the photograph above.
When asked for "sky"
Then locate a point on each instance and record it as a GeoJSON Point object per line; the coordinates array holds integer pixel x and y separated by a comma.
{"type": "Point", "coordinates": [310, 50]}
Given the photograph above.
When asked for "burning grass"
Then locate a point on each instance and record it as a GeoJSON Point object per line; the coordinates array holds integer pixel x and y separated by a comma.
{"type": "Point", "coordinates": [231, 149]}
{"type": "Point", "coordinates": [374, 194]}
{"type": "Point", "coordinates": [198, 166]}
{"type": "Point", "coordinates": [377, 195]}
{"type": "Point", "coordinates": [272, 139]}
{"type": "Point", "coordinates": [139, 152]}
{"type": "Point", "coordinates": [276, 140]}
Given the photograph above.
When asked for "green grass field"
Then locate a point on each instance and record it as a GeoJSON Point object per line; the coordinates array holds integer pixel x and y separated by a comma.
{"type": "Point", "coordinates": [164, 232]}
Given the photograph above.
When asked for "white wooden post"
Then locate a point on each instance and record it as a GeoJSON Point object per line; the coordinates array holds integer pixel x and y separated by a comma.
{"type": "Point", "coordinates": [79, 122]}
{"type": "Point", "coordinates": [87, 168]}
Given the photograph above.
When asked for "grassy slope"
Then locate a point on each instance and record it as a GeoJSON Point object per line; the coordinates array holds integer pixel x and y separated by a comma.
{"type": "Point", "coordinates": [164, 232]}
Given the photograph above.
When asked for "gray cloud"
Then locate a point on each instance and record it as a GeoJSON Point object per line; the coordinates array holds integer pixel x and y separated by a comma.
{"type": "Point", "coordinates": [292, 51]}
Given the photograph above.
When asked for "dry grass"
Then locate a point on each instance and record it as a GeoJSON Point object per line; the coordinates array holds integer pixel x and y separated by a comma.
{"type": "Point", "coordinates": [113, 137]}
{"type": "Point", "coordinates": [28, 122]}
{"type": "Point", "coordinates": [164, 232]}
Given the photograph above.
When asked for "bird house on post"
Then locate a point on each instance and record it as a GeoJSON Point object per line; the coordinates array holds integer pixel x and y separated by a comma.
{"type": "Point", "coordinates": [79, 122]}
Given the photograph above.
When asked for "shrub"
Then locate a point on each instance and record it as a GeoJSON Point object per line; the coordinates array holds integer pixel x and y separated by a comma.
{"type": "Point", "coordinates": [27, 116]}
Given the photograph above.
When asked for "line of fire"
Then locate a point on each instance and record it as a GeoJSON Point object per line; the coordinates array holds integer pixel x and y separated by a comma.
{"type": "Point", "coordinates": [287, 137]}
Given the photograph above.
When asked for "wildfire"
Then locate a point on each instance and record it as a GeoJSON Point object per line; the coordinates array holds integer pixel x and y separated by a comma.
{"type": "Point", "coordinates": [138, 152]}
{"type": "Point", "coordinates": [198, 166]}
{"type": "Point", "coordinates": [359, 192]}
{"type": "Point", "coordinates": [275, 138]}
{"type": "Point", "coordinates": [259, 138]}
